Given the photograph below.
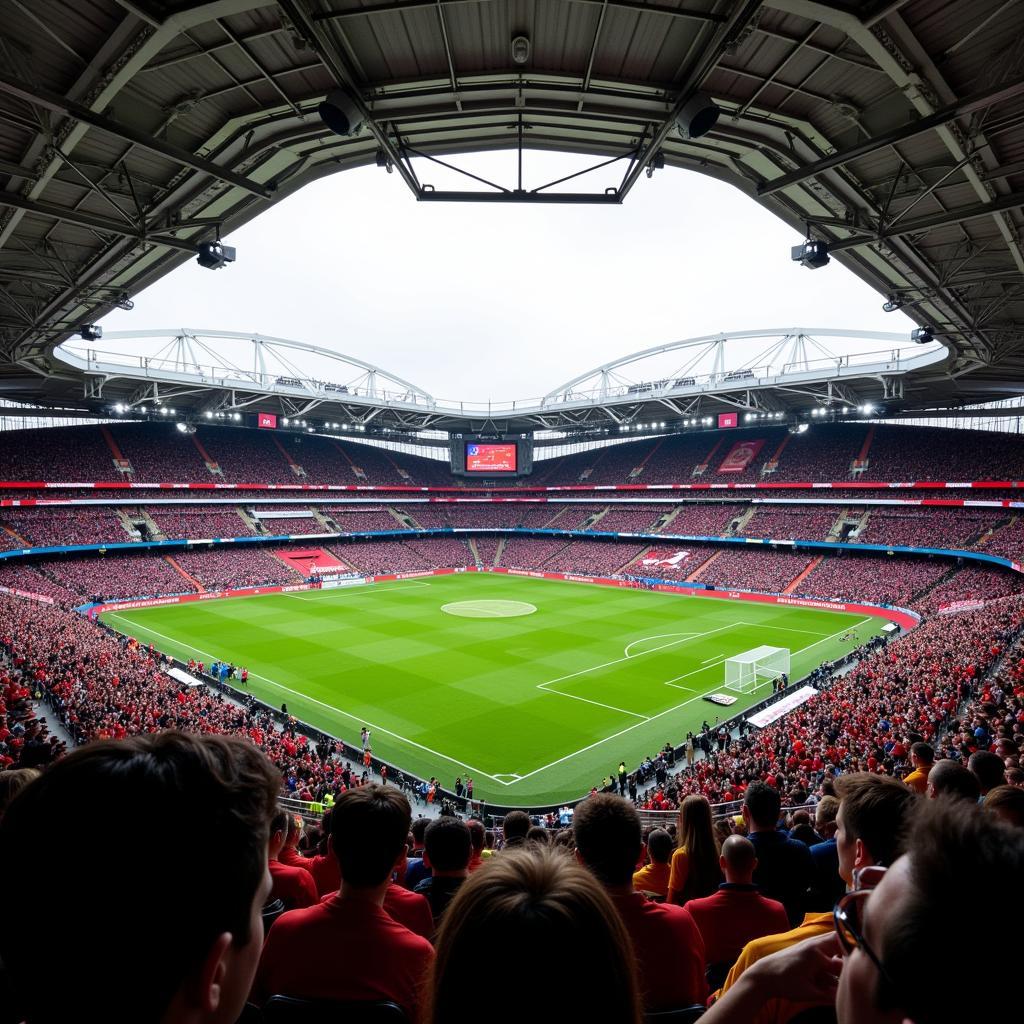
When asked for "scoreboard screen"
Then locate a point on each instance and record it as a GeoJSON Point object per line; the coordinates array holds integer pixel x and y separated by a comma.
{"type": "Point", "coordinates": [490, 458]}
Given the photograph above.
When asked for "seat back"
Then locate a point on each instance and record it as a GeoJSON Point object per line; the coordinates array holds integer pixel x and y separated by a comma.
{"type": "Point", "coordinates": [291, 1010]}
{"type": "Point", "coordinates": [684, 1015]}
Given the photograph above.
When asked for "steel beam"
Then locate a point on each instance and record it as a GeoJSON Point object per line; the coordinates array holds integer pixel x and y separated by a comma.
{"type": "Point", "coordinates": [46, 98]}
{"type": "Point", "coordinates": [939, 220]}
{"type": "Point", "coordinates": [969, 104]}
{"type": "Point", "coordinates": [88, 220]}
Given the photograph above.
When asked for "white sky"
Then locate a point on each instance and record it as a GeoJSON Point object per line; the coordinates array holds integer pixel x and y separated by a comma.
{"type": "Point", "coordinates": [500, 302]}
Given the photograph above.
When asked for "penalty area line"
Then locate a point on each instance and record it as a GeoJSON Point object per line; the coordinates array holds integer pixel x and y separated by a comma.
{"type": "Point", "coordinates": [329, 707]}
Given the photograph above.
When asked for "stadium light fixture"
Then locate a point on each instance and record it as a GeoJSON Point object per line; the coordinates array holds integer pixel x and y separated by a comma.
{"type": "Point", "coordinates": [698, 116]}
{"type": "Point", "coordinates": [520, 49]}
{"type": "Point", "coordinates": [285, 421]}
{"type": "Point", "coordinates": [90, 332]}
{"type": "Point", "coordinates": [214, 255]}
{"type": "Point", "coordinates": [208, 414]}
{"type": "Point", "coordinates": [142, 410]}
{"type": "Point", "coordinates": [119, 408]}
{"type": "Point", "coordinates": [236, 416]}
{"type": "Point", "coordinates": [340, 113]}
{"type": "Point", "coordinates": [811, 253]}
{"type": "Point", "coordinates": [922, 335]}
{"type": "Point", "coordinates": [181, 427]}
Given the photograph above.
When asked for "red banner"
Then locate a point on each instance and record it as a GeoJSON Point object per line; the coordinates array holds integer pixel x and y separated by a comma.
{"type": "Point", "coordinates": [741, 455]}
{"type": "Point", "coordinates": [728, 419]}
{"type": "Point", "coordinates": [267, 420]}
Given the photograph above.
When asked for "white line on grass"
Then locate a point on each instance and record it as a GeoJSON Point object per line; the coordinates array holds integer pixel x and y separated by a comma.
{"type": "Point", "coordinates": [346, 591]}
{"type": "Point", "coordinates": [660, 647]}
{"type": "Point", "coordinates": [330, 707]}
{"type": "Point", "coordinates": [587, 700]}
{"type": "Point", "coordinates": [668, 711]}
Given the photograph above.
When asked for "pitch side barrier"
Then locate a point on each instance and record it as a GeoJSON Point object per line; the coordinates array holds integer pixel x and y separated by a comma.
{"type": "Point", "coordinates": [978, 557]}
{"type": "Point", "coordinates": [375, 503]}
{"type": "Point", "coordinates": [840, 485]}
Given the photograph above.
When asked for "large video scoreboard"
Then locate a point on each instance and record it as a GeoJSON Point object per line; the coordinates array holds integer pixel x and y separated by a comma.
{"type": "Point", "coordinates": [491, 457]}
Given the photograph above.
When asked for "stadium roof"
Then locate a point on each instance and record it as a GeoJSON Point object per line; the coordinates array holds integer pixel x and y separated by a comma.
{"type": "Point", "coordinates": [131, 131]}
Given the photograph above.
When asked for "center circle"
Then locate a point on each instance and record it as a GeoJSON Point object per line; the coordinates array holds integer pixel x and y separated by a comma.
{"type": "Point", "coordinates": [489, 609]}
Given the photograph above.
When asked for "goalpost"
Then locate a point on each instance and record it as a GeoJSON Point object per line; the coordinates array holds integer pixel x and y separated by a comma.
{"type": "Point", "coordinates": [752, 669]}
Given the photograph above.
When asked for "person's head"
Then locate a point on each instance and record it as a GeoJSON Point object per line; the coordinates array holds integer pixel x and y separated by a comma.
{"type": "Point", "coordinates": [515, 826]}
{"type": "Point", "coordinates": [872, 813]}
{"type": "Point", "coordinates": [825, 816]}
{"type": "Point", "coordinates": [369, 826]}
{"type": "Point", "coordinates": [13, 782]}
{"type": "Point", "coordinates": [952, 779]}
{"type": "Point", "coordinates": [738, 860]}
{"type": "Point", "coordinates": [171, 933]}
{"type": "Point", "coordinates": [922, 755]}
{"type": "Point", "coordinates": [447, 846]}
{"type": "Point", "coordinates": [477, 835]}
{"type": "Point", "coordinates": [538, 834]}
{"type": "Point", "coordinates": [608, 837]}
{"type": "Point", "coordinates": [540, 901]}
{"type": "Point", "coordinates": [1006, 803]}
{"type": "Point", "coordinates": [659, 846]}
{"type": "Point", "coordinates": [419, 830]}
{"type": "Point", "coordinates": [988, 769]}
{"type": "Point", "coordinates": [696, 834]}
{"type": "Point", "coordinates": [957, 856]}
{"type": "Point", "coordinates": [295, 826]}
{"type": "Point", "coordinates": [278, 833]}
{"type": "Point", "coordinates": [761, 806]}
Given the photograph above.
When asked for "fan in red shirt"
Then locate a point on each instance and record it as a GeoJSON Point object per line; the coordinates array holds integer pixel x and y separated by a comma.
{"type": "Point", "coordinates": [737, 913]}
{"type": "Point", "coordinates": [293, 886]}
{"type": "Point", "coordinates": [346, 948]}
{"type": "Point", "coordinates": [669, 950]}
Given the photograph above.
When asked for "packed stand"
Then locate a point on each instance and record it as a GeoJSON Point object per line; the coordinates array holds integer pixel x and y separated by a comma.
{"type": "Point", "coordinates": [55, 527]}
{"type": "Point", "coordinates": [357, 519]}
{"type": "Point", "coordinates": [487, 549]}
{"type": "Point", "coordinates": [56, 454]}
{"type": "Point", "coordinates": [970, 584]}
{"type": "Point", "coordinates": [631, 519]}
{"type": "Point", "coordinates": [527, 553]}
{"type": "Point", "coordinates": [881, 580]}
{"type": "Point", "coordinates": [825, 452]}
{"type": "Point", "coordinates": [442, 552]}
{"type": "Point", "coordinates": [115, 577]}
{"type": "Point", "coordinates": [160, 453]}
{"type": "Point", "coordinates": [767, 571]}
{"type": "Point", "coordinates": [197, 523]}
{"type": "Point", "coordinates": [224, 568]}
{"type": "Point", "coordinates": [928, 527]}
{"type": "Point", "coordinates": [380, 558]}
{"type": "Point", "coordinates": [704, 519]}
{"type": "Point", "coordinates": [790, 523]}
{"type": "Point", "coordinates": [1007, 541]}
{"type": "Point", "coordinates": [589, 558]}
{"type": "Point", "coordinates": [33, 580]}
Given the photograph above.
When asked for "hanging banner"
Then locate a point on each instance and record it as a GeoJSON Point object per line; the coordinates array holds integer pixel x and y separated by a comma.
{"type": "Point", "coordinates": [741, 455]}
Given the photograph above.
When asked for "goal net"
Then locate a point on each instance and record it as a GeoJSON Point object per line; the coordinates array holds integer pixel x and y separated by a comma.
{"type": "Point", "coordinates": [747, 671]}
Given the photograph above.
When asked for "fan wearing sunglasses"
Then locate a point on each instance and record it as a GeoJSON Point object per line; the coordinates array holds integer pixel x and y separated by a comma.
{"type": "Point", "coordinates": [888, 959]}
{"type": "Point", "coordinates": [873, 810]}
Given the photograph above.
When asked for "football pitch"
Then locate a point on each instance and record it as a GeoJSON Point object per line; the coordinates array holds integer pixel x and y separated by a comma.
{"type": "Point", "coordinates": [535, 689]}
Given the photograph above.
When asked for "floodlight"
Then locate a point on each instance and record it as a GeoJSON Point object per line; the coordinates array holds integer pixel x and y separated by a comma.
{"type": "Point", "coordinates": [698, 116]}
{"type": "Point", "coordinates": [142, 409]}
{"type": "Point", "coordinates": [214, 255]}
{"type": "Point", "coordinates": [208, 414]}
{"type": "Point", "coordinates": [164, 411]}
{"type": "Point", "coordinates": [891, 304]}
{"type": "Point", "coordinates": [236, 416]}
{"type": "Point", "coordinates": [119, 408]}
{"type": "Point", "coordinates": [922, 335]}
{"type": "Point", "coordinates": [90, 332]}
{"type": "Point", "coordinates": [340, 113]}
{"type": "Point", "coordinates": [811, 253]}
{"type": "Point", "coordinates": [520, 49]}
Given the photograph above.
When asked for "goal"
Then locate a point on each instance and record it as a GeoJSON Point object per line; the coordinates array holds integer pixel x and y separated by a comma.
{"type": "Point", "coordinates": [752, 669]}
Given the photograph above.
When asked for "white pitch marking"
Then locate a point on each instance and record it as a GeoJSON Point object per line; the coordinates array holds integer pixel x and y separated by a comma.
{"type": "Point", "coordinates": [361, 589]}
{"type": "Point", "coordinates": [660, 636]}
{"type": "Point", "coordinates": [330, 707]}
{"type": "Point", "coordinates": [587, 700]}
{"type": "Point", "coordinates": [667, 711]}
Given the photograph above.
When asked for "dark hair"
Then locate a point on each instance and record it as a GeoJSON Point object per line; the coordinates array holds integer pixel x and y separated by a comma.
{"type": "Point", "coordinates": [538, 834]}
{"type": "Point", "coordinates": [923, 752]}
{"type": "Point", "coordinates": [143, 920]}
{"type": "Point", "coordinates": [477, 833]}
{"type": "Point", "coordinates": [958, 857]}
{"type": "Point", "coordinates": [763, 803]}
{"type": "Point", "coordinates": [1008, 803]}
{"type": "Point", "coordinates": [369, 826]}
{"type": "Point", "coordinates": [875, 809]}
{"type": "Point", "coordinates": [279, 822]}
{"type": "Point", "coordinates": [419, 829]}
{"type": "Point", "coordinates": [538, 902]}
{"type": "Point", "coordinates": [608, 837]}
{"type": "Point", "coordinates": [951, 778]}
{"type": "Point", "coordinates": [448, 844]}
{"type": "Point", "coordinates": [988, 768]}
{"type": "Point", "coordinates": [659, 846]}
{"type": "Point", "coordinates": [516, 825]}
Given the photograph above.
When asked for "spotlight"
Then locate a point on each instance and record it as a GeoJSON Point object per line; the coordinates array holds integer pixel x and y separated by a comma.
{"type": "Point", "coordinates": [811, 253]}
{"type": "Point", "coordinates": [142, 409]}
{"type": "Point", "coordinates": [236, 416]}
{"type": "Point", "coordinates": [119, 408]}
{"type": "Point", "coordinates": [520, 50]}
{"type": "Point", "coordinates": [922, 335]}
{"type": "Point", "coordinates": [214, 255]}
{"type": "Point", "coordinates": [90, 332]}
{"type": "Point", "coordinates": [285, 421]}
{"type": "Point", "coordinates": [208, 414]}
{"type": "Point", "coordinates": [867, 409]}
{"type": "Point", "coordinates": [340, 113]}
{"type": "Point", "coordinates": [182, 427]}
{"type": "Point", "coordinates": [698, 116]}
{"type": "Point", "coordinates": [164, 411]}
{"type": "Point", "coordinates": [891, 304]}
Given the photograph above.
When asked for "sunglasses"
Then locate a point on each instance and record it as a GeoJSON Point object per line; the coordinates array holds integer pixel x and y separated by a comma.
{"type": "Point", "coordinates": [848, 915]}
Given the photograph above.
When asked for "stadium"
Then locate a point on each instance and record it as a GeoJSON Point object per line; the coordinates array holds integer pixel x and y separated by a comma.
{"type": "Point", "coordinates": [615, 698]}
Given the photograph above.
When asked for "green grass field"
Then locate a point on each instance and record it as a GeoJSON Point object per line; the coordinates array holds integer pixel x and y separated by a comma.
{"type": "Point", "coordinates": [535, 707]}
